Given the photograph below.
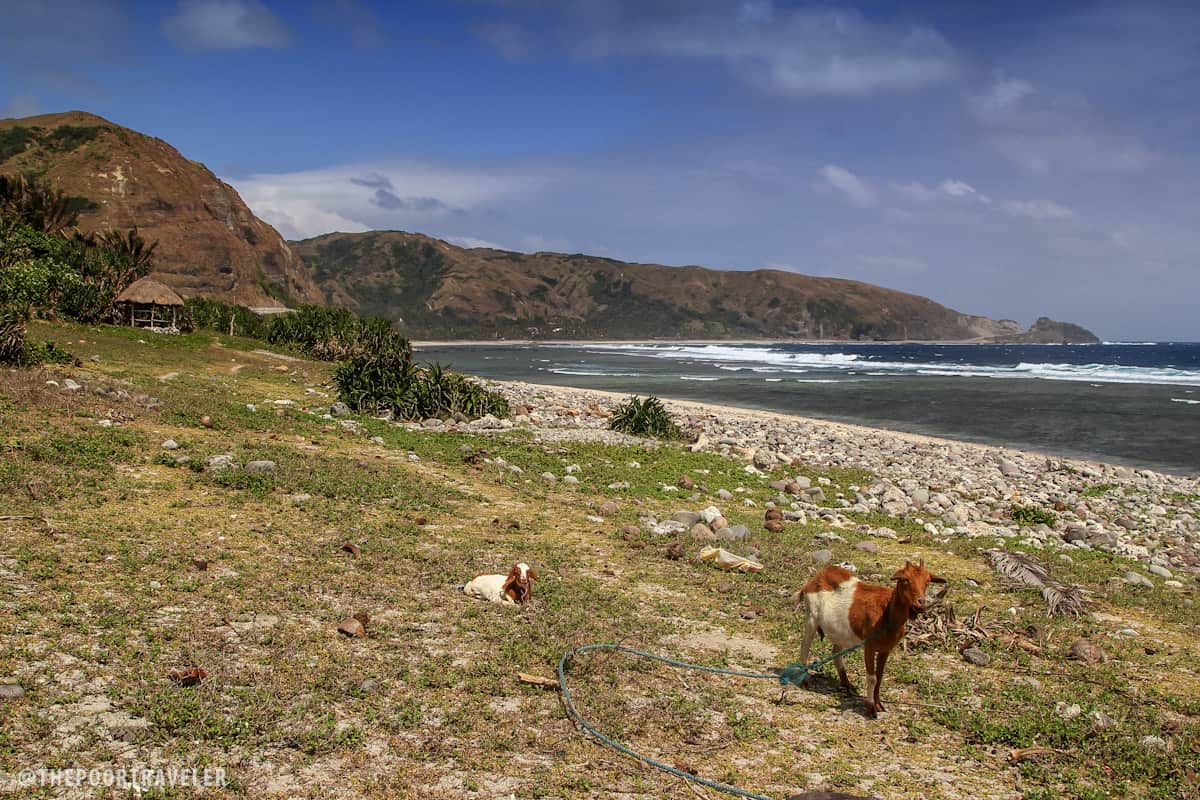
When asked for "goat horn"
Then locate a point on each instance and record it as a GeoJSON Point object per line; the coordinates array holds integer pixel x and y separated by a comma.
{"type": "Point", "coordinates": [921, 563]}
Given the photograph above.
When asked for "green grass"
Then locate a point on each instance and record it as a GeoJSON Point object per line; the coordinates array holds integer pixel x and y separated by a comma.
{"type": "Point", "coordinates": [100, 598]}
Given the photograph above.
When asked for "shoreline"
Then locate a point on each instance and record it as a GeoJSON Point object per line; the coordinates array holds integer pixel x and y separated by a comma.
{"type": "Point", "coordinates": [722, 410]}
{"type": "Point", "coordinates": [948, 487]}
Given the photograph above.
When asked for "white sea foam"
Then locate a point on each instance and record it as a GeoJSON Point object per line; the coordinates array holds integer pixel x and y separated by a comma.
{"type": "Point", "coordinates": [1185, 400]}
{"type": "Point", "coordinates": [698, 378]}
{"type": "Point", "coordinates": [592, 372]}
{"type": "Point", "coordinates": [766, 359]}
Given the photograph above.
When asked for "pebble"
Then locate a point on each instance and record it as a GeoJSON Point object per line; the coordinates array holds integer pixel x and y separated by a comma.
{"type": "Point", "coordinates": [1068, 712]}
{"type": "Point", "coordinates": [570, 479]}
{"type": "Point", "coordinates": [1137, 579]}
{"type": "Point", "coordinates": [170, 444]}
{"type": "Point", "coordinates": [609, 507]}
{"type": "Point", "coordinates": [11, 691]}
{"type": "Point", "coordinates": [219, 463]}
{"type": "Point", "coordinates": [339, 409]}
{"type": "Point", "coordinates": [868, 546]}
{"type": "Point", "coordinates": [369, 685]}
{"type": "Point", "coordinates": [821, 556]}
{"type": "Point", "coordinates": [548, 477]}
{"type": "Point", "coordinates": [260, 467]}
{"type": "Point", "coordinates": [974, 655]}
{"type": "Point", "coordinates": [1086, 651]}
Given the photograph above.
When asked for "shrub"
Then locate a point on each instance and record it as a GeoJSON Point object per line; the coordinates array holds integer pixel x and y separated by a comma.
{"type": "Point", "coordinates": [644, 418]}
{"type": "Point", "coordinates": [384, 378]}
{"type": "Point", "coordinates": [1032, 515]}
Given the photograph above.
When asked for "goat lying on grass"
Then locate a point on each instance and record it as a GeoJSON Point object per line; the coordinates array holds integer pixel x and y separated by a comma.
{"type": "Point", "coordinates": [847, 611]}
{"type": "Point", "coordinates": [512, 589]}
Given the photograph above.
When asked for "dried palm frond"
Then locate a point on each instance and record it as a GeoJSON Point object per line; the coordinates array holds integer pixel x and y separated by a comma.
{"type": "Point", "coordinates": [1022, 570]}
{"type": "Point", "coordinates": [1064, 600]}
{"type": "Point", "coordinates": [1017, 567]}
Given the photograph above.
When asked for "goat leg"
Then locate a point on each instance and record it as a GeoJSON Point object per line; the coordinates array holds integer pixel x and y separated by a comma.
{"type": "Point", "coordinates": [880, 663]}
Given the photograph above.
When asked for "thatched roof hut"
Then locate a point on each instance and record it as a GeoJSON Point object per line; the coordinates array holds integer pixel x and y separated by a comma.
{"type": "Point", "coordinates": [146, 303]}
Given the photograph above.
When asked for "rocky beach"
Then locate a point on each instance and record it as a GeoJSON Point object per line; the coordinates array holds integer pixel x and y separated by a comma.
{"type": "Point", "coordinates": [951, 488]}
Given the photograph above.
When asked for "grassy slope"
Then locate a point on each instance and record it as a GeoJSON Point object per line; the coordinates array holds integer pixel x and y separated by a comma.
{"type": "Point", "coordinates": [100, 602]}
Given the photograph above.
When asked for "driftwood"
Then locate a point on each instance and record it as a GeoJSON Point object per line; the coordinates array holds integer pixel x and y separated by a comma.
{"type": "Point", "coordinates": [1028, 753]}
{"type": "Point", "coordinates": [940, 627]}
{"type": "Point", "coordinates": [537, 680]}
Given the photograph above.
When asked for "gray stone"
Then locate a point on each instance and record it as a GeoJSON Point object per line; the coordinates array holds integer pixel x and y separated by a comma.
{"type": "Point", "coordinates": [570, 479]}
{"type": "Point", "coordinates": [609, 507]}
{"type": "Point", "coordinates": [260, 467]}
{"type": "Point", "coordinates": [369, 685]}
{"type": "Point", "coordinates": [1153, 743]}
{"type": "Point", "coordinates": [821, 556]}
{"type": "Point", "coordinates": [11, 691]}
{"type": "Point", "coordinates": [974, 655]}
{"type": "Point", "coordinates": [1086, 651]}
{"type": "Point", "coordinates": [339, 409]}
{"type": "Point", "coordinates": [548, 477]}
{"type": "Point", "coordinates": [70, 386]}
{"type": "Point", "coordinates": [1102, 721]}
{"type": "Point", "coordinates": [688, 518]}
{"type": "Point", "coordinates": [1008, 468]}
{"type": "Point", "coordinates": [1137, 579]}
{"type": "Point", "coordinates": [170, 444]}
{"type": "Point", "coordinates": [733, 533]}
{"type": "Point", "coordinates": [868, 547]}
{"type": "Point", "coordinates": [724, 494]}
{"type": "Point", "coordinates": [815, 494]}
{"type": "Point", "coordinates": [1068, 712]}
{"type": "Point", "coordinates": [1160, 571]}
{"type": "Point", "coordinates": [220, 463]}
{"type": "Point", "coordinates": [895, 508]}
{"type": "Point", "coordinates": [703, 533]}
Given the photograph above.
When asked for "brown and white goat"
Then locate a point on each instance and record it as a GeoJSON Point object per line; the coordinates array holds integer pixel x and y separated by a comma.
{"type": "Point", "coordinates": [512, 589]}
{"type": "Point", "coordinates": [846, 611]}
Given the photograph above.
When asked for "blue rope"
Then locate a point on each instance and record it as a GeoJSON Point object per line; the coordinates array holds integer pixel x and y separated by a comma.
{"type": "Point", "coordinates": [793, 673]}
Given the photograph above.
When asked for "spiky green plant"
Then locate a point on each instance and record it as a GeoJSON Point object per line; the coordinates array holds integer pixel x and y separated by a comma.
{"type": "Point", "coordinates": [644, 418]}
{"type": "Point", "coordinates": [12, 337]}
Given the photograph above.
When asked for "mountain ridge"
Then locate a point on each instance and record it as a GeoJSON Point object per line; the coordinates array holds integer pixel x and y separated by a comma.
{"type": "Point", "coordinates": [435, 289]}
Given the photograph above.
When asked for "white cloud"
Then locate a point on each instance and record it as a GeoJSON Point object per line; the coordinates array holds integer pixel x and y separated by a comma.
{"type": "Point", "coordinates": [225, 25]}
{"type": "Point", "coordinates": [856, 190]}
{"type": "Point", "coordinates": [1039, 210]}
{"type": "Point", "coordinates": [797, 53]}
{"type": "Point", "coordinates": [1002, 96]}
{"type": "Point", "coordinates": [958, 188]}
{"type": "Point", "coordinates": [471, 241]}
{"type": "Point", "coordinates": [916, 190]}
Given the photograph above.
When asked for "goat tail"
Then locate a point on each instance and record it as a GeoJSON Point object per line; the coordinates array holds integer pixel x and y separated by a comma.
{"type": "Point", "coordinates": [800, 603]}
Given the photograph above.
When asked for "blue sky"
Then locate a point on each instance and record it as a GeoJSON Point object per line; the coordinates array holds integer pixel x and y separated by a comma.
{"type": "Point", "coordinates": [1008, 159]}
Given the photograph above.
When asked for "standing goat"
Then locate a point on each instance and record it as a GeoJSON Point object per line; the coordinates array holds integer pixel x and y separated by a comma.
{"type": "Point", "coordinates": [848, 611]}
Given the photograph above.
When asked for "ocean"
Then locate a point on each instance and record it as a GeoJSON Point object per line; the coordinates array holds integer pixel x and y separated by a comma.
{"type": "Point", "coordinates": [1133, 403]}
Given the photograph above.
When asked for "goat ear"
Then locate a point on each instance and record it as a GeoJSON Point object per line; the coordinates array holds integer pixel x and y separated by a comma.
{"type": "Point", "coordinates": [532, 574]}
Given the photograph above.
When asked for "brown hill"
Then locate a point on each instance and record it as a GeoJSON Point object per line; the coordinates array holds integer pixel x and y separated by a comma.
{"type": "Point", "coordinates": [209, 242]}
{"type": "Point", "coordinates": [439, 290]}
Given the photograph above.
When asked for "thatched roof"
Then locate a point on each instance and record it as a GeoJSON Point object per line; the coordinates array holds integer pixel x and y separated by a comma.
{"type": "Point", "coordinates": [146, 290]}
